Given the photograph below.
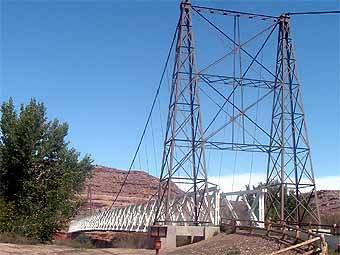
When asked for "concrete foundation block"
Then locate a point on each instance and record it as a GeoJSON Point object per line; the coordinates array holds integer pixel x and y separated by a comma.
{"type": "Point", "coordinates": [169, 241]}
{"type": "Point", "coordinates": [192, 232]}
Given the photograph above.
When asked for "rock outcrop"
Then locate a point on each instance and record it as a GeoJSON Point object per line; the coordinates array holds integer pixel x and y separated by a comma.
{"type": "Point", "coordinates": [106, 182]}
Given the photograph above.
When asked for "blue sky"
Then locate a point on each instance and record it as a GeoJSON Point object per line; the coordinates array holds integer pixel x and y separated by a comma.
{"type": "Point", "coordinates": [96, 65]}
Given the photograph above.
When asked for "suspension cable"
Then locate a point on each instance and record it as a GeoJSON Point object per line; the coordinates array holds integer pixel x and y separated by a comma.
{"type": "Point", "coordinates": [315, 12]}
{"type": "Point", "coordinates": [149, 116]}
{"type": "Point", "coordinates": [255, 128]}
{"type": "Point", "coordinates": [154, 147]}
{"type": "Point", "coordinates": [221, 163]}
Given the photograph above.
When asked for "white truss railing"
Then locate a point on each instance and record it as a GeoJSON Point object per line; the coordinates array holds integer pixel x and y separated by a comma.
{"type": "Point", "coordinates": [256, 205]}
{"type": "Point", "coordinates": [138, 218]}
{"type": "Point", "coordinates": [182, 208]}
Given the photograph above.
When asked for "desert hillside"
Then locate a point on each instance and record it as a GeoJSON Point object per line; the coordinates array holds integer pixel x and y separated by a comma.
{"type": "Point", "coordinates": [106, 182]}
{"type": "Point", "coordinates": [329, 201]}
{"type": "Point", "coordinates": [329, 206]}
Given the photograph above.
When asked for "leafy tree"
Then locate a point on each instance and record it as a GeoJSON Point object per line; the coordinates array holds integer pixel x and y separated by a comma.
{"type": "Point", "coordinates": [40, 175]}
{"type": "Point", "coordinates": [273, 191]}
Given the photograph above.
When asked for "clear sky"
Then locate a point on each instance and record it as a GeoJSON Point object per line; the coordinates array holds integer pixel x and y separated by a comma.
{"type": "Point", "coordinates": [96, 65]}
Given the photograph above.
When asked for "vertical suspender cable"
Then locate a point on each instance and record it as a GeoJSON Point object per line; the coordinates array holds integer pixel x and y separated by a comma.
{"type": "Point", "coordinates": [149, 116]}
{"type": "Point", "coordinates": [255, 128]}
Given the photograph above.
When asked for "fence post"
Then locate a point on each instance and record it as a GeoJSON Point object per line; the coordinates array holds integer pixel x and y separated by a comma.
{"type": "Point", "coordinates": [233, 225]}
{"type": "Point", "coordinates": [333, 229]}
{"type": "Point", "coordinates": [250, 226]}
{"type": "Point", "coordinates": [310, 234]}
{"type": "Point", "coordinates": [283, 229]}
{"type": "Point", "coordinates": [324, 245]}
{"type": "Point", "coordinates": [297, 234]}
{"type": "Point", "coordinates": [268, 226]}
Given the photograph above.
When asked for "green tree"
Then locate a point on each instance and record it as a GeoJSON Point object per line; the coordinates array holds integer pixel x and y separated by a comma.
{"type": "Point", "coordinates": [40, 175]}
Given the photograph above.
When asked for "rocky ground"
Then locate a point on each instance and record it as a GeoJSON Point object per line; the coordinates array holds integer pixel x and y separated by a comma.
{"type": "Point", "coordinates": [221, 244]}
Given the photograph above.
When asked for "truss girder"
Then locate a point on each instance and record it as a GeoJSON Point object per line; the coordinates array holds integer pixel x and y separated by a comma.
{"type": "Point", "coordinates": [138, 218]}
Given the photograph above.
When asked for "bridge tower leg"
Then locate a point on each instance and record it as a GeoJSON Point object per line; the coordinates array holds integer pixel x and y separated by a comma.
{"type": "Point", "coordinates": [290, 179]}
{"type": "Point", "coordinates": [183, 161]}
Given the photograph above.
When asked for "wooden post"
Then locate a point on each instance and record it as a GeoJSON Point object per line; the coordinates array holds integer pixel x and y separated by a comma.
{"type": "Point", "coordinates": [324, 245]}
{"type": "Point", "coordinates": [250, 227]}
{"type": "Point", "coordinates": [268, 227]}
{"type": "Point", "coordinates": [297, 234]}
{"type": "Point", "coordinates": [333, 229]}
{"type": "Point", "coordinates": [283, 229]}
{"type": "Point", "coordinates": [310, 235]}
{"type": "Point", "coordinates": [233, 225]}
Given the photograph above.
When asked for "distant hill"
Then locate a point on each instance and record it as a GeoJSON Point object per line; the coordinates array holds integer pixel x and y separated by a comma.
{"type": "Point", "coordinates": [329, 206]}
{"type": "Point", "coordinates": [106, 182]}
{"type": "Point", "coordinates": [329, 201]}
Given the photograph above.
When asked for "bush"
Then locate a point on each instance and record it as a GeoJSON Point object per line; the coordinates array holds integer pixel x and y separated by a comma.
{"type": "Point", "coordinates": [7, 215]}
{"type": "Point", "coordinates": [39, 174]}
{"type": "Point", "coordinates": [333, 252]}
{"type": "Point", "coordinates": [81, 241]}
{"type": "Point", "coordinates": [129, 240]}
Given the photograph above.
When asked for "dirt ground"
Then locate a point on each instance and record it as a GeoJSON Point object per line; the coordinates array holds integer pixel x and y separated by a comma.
{"type": "Point", "coordinates": [223, 244]}
{"type": "Point", "coordinates": [219, 245]}
{"type": "Point", "coordinates": [9, 249]}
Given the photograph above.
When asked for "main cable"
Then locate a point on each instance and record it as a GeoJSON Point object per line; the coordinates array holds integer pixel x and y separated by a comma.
{"type": "Point", "coordinates": [149, 116]}
{"type": "Point", "coordinates": [314, 12]}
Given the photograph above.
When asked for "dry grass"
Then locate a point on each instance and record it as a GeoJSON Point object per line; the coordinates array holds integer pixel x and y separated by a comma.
{"type": "Point", "coordinates": [130, 240]}
{"type": "Point", "coordinates": [16, 239]}
{"type": "Point", "coordinates": [330, 219]}
{"type": "Point", "coordinates": [81, 242]}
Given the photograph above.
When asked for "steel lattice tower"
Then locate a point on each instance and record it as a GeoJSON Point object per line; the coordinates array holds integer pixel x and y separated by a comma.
{"type": "Point", "coordinates": [183, 150]}
{"type": "Point", "coordinates": [290, 180]}
{"type": "Point", "coordinates": [290, 171]}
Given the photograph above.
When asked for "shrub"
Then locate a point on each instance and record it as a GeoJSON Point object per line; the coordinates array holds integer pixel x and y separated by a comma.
{"type": "Point", "coordinates": [39, 174]}
{"type": "Point", "coordinates": [7, 215]}
{"type": "Point", "coordinates": [129, 240]}
{"type": "Point", "coordinates": [81, 241]}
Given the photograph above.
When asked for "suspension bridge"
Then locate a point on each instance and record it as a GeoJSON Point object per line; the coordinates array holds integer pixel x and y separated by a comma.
{"type": "Point", "coordinates": [234, 88]}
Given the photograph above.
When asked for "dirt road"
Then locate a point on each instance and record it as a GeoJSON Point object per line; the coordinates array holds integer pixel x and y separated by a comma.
{"type": "Point", "coordinates": [14, 249]}
{"type": "Point", "coordinates": [221, 244]}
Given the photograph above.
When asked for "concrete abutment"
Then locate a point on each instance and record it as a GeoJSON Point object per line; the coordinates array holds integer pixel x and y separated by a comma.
{"type": "Point", "coordinates": [193, 233]}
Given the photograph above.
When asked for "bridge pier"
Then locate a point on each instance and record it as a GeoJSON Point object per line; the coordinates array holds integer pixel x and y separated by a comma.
{"type": "Point", "coordinates": [194, 233]}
